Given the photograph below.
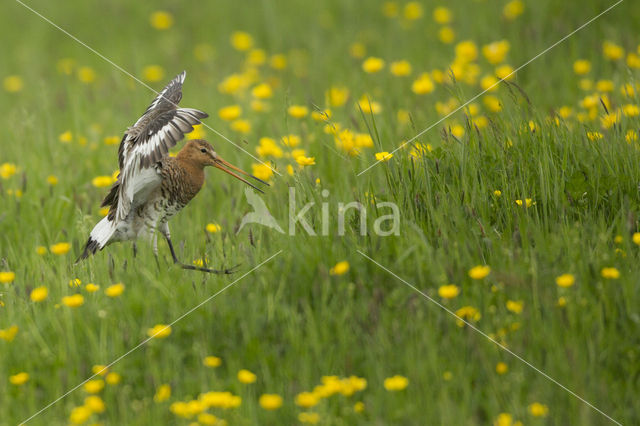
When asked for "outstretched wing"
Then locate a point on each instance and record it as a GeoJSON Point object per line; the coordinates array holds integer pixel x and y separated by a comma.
{"type": "Point", "coordinates": [145, 143]}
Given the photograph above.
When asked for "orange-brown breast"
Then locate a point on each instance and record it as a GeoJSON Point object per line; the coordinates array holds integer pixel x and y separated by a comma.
{"type": "Point", "coordinates": [181, 179]}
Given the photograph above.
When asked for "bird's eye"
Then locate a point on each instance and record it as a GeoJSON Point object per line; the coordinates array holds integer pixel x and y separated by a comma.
{"type": "Point", "coordinates": [203, 150]}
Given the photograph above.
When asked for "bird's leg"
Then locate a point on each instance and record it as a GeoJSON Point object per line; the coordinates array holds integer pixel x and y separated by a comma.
{"type": "Point", "coordinates": [164, 228]}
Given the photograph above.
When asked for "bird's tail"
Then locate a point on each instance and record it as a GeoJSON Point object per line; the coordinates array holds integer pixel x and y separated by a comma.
{"type": "Point", "coordinates": [99, 237]}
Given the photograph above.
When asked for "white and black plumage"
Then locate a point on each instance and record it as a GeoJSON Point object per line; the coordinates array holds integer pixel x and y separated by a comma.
{"type": "Point", "coordinates": [152, 186]}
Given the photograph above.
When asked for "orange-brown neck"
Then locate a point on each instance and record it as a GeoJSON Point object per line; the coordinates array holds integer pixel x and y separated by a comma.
{"type": "Point", "coordinates": [193, 173]}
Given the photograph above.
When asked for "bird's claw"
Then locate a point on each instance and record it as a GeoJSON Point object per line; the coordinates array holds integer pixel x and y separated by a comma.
{"type": "Point", "coordinates": [227, 271]}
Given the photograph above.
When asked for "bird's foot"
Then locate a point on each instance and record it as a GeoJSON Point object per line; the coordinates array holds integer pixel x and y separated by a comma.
{"type": "Point", "coordinates": [227, 271]}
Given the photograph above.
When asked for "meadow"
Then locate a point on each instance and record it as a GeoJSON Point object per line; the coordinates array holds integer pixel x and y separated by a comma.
{"type": "Point", "coordinates": [519, 213]}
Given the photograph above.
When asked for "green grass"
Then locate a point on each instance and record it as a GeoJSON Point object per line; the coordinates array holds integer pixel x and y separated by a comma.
{"type": "Point", "coordinates": [291, 322]}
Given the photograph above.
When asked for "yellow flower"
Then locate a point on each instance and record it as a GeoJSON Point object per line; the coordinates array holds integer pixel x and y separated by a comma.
{"type": "Point", "coordinates": [100, 370]}
{"type": "Point", "coordinates": [80, 414]}
{"type": "Point", "coordinates": [159, 331]}
{"type": "Point", "coordinates": [213, 228]}
{"type": "Point", "coordinates": [246, 376]}
{"type": "Point", "coordinates": [102, 181]}
{"type": "Point", "coordinates": [372, 64]}
{"type": "Point", "coordinates": [298, 111]}
{"type": "Point", "coordinates": [581, 67]}
{"type": "Point", "coordinates": [496, 52]}
{"type": "Point", "coordinates": [423, 85]}
{"type": "Point", "coordinates": [19, 379]}
{"type": "Point", "coordinates": [76, 282]}
{"type": "Point", "coordinates": [501, 368]}
{"type": "Point", "coordinates": [337, 96]}
{"type": "Point", "coordinates": [153, 73]}
{"type": "Point", "coordinates": [207, 419]}
{"type": "Point", "coordinates": [13, 83]}
{"type": "Point", "coordinates": [278, 62]}
{"type": "Point", "coordinates": [162, 393]}
{"type": "Point", "coordinates": [86, 75]}
{"type": "Point", "coordinates": [357, 50]}
{"type": "Point", "coordinates": [610, 273]}
{"type": "Point", "coordinates": [479, 272]}
{"type": "Point", "coordinates": [270, 401]}
{"type": "Point", "coordinates": [9, 334]}
{"type": "Point", "coordinates": [322, 115]}
{"type": "Point", "coordinates": [448, 291]}
{"type": "Point", "coordinates": [94, 403]}
{"type": "Point", "coordinates": [442, 15]}
{"type": "Point", "coordinates": [241, 126]}
{"type": "Point", "coordinates": [92, 288]}
{"type": "Point", "coordinates": [631, 136]}
{"type": "Point", "coordinates": [538, 410]}
{"type": "Point", "coordinates": [466, 51]}
{"type": "Point", "coordinates": [291, 140]}
{"type": "Point", "coordinates": [505, 72]}
{"type": "Point", "coordinates": [513, 9]}
{"type": "Point", "coordinates": [262, 91]}
{"type": "Point", "coordinates": [368, 105]}
{"type": "Point", "coordinates": [114, 290]}
{"type": "Point", "coordinates": [268, 147]}
{"type": "Point", "coordinates": [339, 268]}
{"type": "Point", "coordinates": [7, 170]}
{"type": "Point", "coordinates": [112, 378]}
{"type": "Point", "coordinates": [262, 171]}
{"type": "Point", "coordinates": [41, 250]}
{"type": "Point", "coordinates": [305, 161]}
{"type": "Point", "coordinates": [492, 103]}
{"type": "Point", "coordinates": [7, 277]}
{"type": "Point", "coordinates": [396, 383]}
{"type": "Point", "coordinates": [612, 51]}
{"type": "Point", "coordinates": [565, 280]}
{"type": "Point", "coordinates": [311, 418]}
{"type": "Point", "coordinates": [39, 294]}
{"type": "Point", "coordinates": [383, 156]}
{"type": "Point", "coordinates": [230, 112]}
{"type": "Point", "coordinates": [400, 68]}
{"type": "Point", "coordinates": [631, 110]}
{"type": "Point", "coordinates": [497, 193]}
{"type": "Point", "coordinates": [446, 35]}
{"type": "Point", "coordinates": [633, 60]}
{"type": "Point", "coordinates": [468, 313]}
{"type": "Point", "coordinates": [528, 202]}
{"type": "Point", "coordinates": [306, 399]}
{"type": "Point", "coordinates": [94, 386]}
{"type": "Point", "coordinates": [515, 306]}
{"type": "Point", "coordinates": [241, 40]}
{"type": "Point", "coordinates": [604, 86]}
{"type": "Point", "coordinates": [412, 11]}
{"type": "Point", "coordinates": [212, 361]}
{"type": "Point", "coordinates": [161, 20]}
{"type": "Point", "coordinates": [73, 301]}
{"type": "Point", "coordinates": [504, 419]}
{"type": "Point", "coordinates": [60, 248]}
{"type": "Point", "coordinates": [489, 83]}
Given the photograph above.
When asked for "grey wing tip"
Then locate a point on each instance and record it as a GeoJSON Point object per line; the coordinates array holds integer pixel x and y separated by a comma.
{"type": "Point", "coordinates": [90, 248]}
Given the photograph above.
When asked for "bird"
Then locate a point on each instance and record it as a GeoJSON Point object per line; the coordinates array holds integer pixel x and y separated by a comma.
{"type": "Point", "coordinates": [153, 186]}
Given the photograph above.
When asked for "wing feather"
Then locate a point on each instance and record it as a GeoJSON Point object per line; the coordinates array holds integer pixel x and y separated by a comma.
{"type": "Point", "coordinates": [146, 143]}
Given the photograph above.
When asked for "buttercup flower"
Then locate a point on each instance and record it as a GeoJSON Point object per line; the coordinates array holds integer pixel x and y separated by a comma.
{"type": "Point", "coordinates": [396, 383]}
{"type": "Point", "coordinates": [270, 401]}
{"type": "Point", "coordinates": [479, 272]}
{"type": "Point", "coordinates": [340, 268]}
{"type": "Point", "coordinates": [565, 280]}
{"type": "Point", "coordinates": [246, 376]}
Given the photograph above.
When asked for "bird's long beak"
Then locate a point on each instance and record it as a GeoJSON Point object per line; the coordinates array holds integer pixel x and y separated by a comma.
{"type": "Point", "coordinates": [225, 166]}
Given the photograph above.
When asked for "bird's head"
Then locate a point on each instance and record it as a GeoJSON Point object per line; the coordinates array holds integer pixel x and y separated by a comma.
{"type": "Point", "coordinates": [200, 153]}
